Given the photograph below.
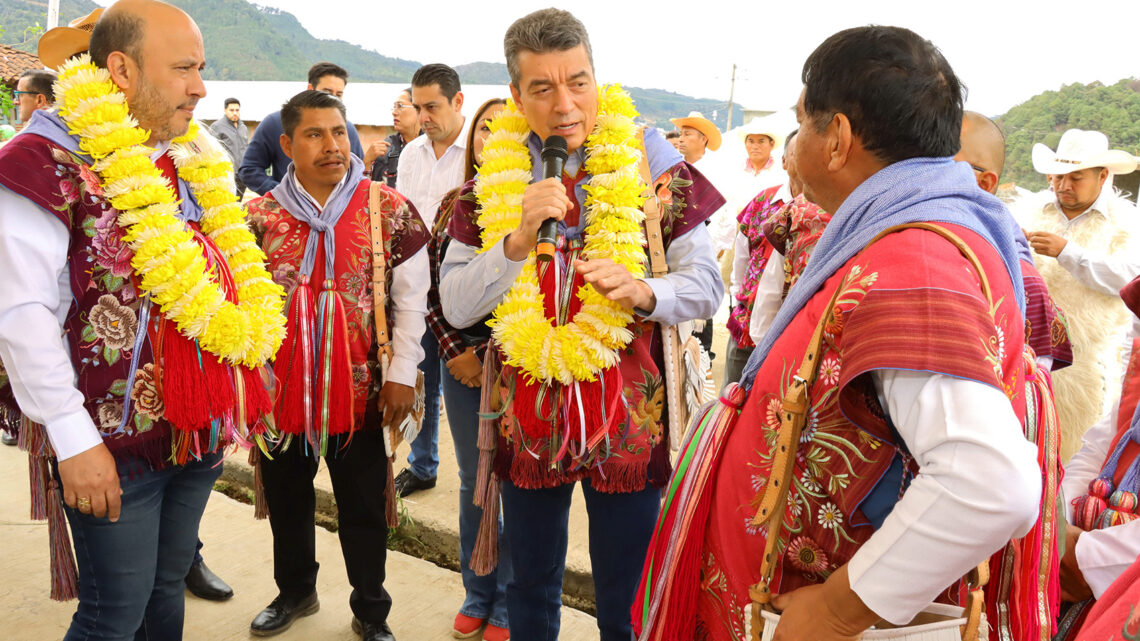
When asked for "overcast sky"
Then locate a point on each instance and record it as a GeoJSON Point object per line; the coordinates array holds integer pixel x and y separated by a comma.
{"type": "Point", "coordinates": [1004, 51]}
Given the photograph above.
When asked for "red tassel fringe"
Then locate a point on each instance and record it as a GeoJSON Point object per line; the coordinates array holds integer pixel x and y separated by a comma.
{"type": "Point", "coordinates": [335, 393]}
{"type": "Point", "coordinates": [64, 575]}
{"type": "Point", "coordinates": [39, 480]}
{"type": "Point", "coordinates": [485, 555]}
{"type": "Point", "coordinates": [201, 389]}
{"type": "Point", "coordinates": [294, 363]}
{"type": "Point", "coordinates": [260, 505]}
{"type": "Point", "coordinates": [390, 511]}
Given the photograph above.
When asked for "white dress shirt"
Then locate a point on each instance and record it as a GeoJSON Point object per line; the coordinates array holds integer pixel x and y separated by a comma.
{"type": "Point", "coordinates": [424, 179]}
{"type": "Point", "coordinates": [742, 256]}
{"type": "Point", "coordinates": [979, 485]}
{"type": "Point", "coordinates": [1102, 555]}
{"type": "Point", "coordinates": [769, 297]}
{"type": "Point", "coordinates": [1102, 272]}
{"type": "Point", "coordinates": [408, 307]}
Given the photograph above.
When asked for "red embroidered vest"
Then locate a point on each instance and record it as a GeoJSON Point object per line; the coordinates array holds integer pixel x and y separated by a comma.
{"type": "Point", "coordinates": [911, 302]}
{"type": "Point", "coordinates": [103, 324]}
{"type": "Point", "coordinates": [284, 240]}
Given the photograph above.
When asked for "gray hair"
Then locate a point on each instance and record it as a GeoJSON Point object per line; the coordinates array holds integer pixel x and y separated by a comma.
{"type": "Point", "coordinates": [544, 31]}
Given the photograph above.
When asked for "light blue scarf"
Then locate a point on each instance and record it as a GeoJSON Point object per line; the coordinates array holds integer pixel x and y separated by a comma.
{"type": "Point", "coordinates": [919, 189]}
{"type": "Point", "coordinates": [289, 194]}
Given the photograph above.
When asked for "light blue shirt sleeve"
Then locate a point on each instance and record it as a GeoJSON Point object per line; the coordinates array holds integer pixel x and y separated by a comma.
{"type": "Point", "coordinates": [472, 284]}
{"type": "Point", "coordinates": [693, 288]}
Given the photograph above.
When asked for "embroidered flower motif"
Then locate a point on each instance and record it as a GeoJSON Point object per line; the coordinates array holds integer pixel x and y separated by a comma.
{"type": "Point", "coordinates": [287, 276]}
{"type": "Point", "coordinates": [145, 393]}
{"type": "Point", "coordinates": [829, 370]}
{"type": "Point", "coordinates": [810, 485]}
{"type": "Point", "coordinates": [772, 417]}
{"type": "Point", "coordinates": [796, 504]}
{"type": "Point", "coordinates": [753, 530]}
{"type": "Point", "coordinates": [808, 434]}
{"type": "Point", "coordinates": [69, 191]}
{"type": "Point", "coordinates": [109, 416]}
{"type": "Point", "coordinates": [115, 324]}
{"type": "Point", "coordinates": [759, 480]}
{"type": "Point", "coordinates": [1058, 333]}
{"type": "Point", "coordinates": [806, 555]}
{"type": "Point", "coordinates": [91, 181]}
{"type": "Point", "coordinates": [111, 253]}
{"type": "Point", "coordinates": [829, 516]}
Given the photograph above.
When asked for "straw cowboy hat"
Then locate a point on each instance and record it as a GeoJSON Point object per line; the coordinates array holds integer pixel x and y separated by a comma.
{"type": "Point", "coordinates": [61, 43]}
{"type": "Point", "coordinates": [1079, 150]}
{"type": "Point", "coordinates": [765, 127]}
{"type": "Point", "coordinates": [701, 124]}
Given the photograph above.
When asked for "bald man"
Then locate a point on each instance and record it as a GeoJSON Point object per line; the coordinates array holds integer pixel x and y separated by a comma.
{"type": "Point", "coordinates": [1046, 333]}
{"type": "Point", "coordinates": [983, 147]}
{"type": "Point", "coordinates": [116, 416]}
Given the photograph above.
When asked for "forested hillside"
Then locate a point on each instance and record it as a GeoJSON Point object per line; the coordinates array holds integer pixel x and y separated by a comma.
{"type": "Point", "coordinates": [248, 42]}
{"type": "Point", "coordinates": [1112, 109]}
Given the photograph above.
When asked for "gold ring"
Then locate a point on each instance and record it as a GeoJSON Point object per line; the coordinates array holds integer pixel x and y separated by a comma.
{"type": "Point", "coordinates": [83, 503]}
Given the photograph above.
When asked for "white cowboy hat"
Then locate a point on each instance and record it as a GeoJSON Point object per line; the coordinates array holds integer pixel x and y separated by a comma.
{"type": "Point", "coordinates": [1079, 150]}
{"type": "Point", "coordinates": [765, 126]}
{"type": "Point", "coordinates": [701, 124]}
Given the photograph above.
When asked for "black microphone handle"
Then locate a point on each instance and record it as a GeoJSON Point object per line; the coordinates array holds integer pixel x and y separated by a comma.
{"type": "Point", "coordinates": [548, 232]}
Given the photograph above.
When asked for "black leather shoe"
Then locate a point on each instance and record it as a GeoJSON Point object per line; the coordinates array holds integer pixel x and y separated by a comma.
{"type": "Point", "coordinates": [279, 615]}
{"type": "Point", "coordinates": [406, 483]}
{"type": "Point", "coordinates": [372, 631]}
{"type": "Point", "coordinates": [204, 584]}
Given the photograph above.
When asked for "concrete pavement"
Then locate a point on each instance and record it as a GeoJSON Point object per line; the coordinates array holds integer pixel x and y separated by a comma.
{"type": "Point", "coordinates": [237, 547]}
{"type": "Point", "coordinates": [426, 597]}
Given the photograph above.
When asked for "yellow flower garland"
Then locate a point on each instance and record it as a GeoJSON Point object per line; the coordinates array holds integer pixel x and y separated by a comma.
{"type": "Point", "coordinates": [582, 348]}
{"type": "Point", "coordinates": [167, 260]}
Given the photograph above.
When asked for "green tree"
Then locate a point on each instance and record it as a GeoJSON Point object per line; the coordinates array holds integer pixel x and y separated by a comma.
{"type": "Point", "coordinates": [1111, 109]}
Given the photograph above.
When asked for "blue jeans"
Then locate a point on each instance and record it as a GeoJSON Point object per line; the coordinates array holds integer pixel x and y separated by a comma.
{"type": "Point", "coordinates": [132, 573]}
{"type": "Point", "coordinates": [486, 595]}
{"type": "Point", "coordinates": [536, 527]}
{"type": "Point", "coordinates": [424, 459]}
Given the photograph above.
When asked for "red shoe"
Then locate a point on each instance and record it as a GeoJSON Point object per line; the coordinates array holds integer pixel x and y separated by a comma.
{"type": "Point", "coordinates": [466, 627]}
{"type": "Point", "coordinates": [495, 633]}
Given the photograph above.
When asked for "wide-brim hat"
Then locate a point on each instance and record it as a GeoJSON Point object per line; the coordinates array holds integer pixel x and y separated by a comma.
{"type": "Point", "coordinates": [701, 124]}
{"type": "Point", "coordinates": [1079, 149]}
{"type": "Point", "coordinates": [764, 127]}
{"type": "Point", "coordinates": [61, 43]}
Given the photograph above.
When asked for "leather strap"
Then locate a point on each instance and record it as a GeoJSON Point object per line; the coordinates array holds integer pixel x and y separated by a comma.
{"type": "Point", "coordinates": [379, 268]}
{"type": "Point", "coordinates": [795, 404]}
{"type": "Point", "coordinates": [652, 208]}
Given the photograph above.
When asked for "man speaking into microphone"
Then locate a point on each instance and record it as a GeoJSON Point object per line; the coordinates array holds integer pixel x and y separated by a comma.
{"type": "Point", "coordinates": [575, 375]}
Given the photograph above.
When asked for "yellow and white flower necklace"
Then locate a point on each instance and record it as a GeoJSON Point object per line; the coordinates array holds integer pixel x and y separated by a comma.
{"type": "Point", "coordinates": [167, 261]}
{"type": "Point", "coordinates": [589, 343]}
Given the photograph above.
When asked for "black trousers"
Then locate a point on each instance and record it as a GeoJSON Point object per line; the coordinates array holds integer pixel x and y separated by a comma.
{"type": "Point", "coordinates": [359, 473]}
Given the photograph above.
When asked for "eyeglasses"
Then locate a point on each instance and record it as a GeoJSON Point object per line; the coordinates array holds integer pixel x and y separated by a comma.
{"type": "Point", "coordinates": [978, 169]}
{"type": "Point", "coordinates": [396, 106]}
{"type": "Point", "coordinates": [17, 94]}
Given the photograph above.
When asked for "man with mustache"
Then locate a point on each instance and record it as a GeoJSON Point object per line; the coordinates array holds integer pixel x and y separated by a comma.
{"type": "Point", "coordinates": [264, 153]}
{"type": "Point", "coordinates": [1085, 236]}
{"type": "Point", "coordinates": [317, 234]}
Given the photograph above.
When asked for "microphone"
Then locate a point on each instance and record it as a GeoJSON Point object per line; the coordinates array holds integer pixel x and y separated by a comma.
{"type": "Point", "coordinates": [553, 158]}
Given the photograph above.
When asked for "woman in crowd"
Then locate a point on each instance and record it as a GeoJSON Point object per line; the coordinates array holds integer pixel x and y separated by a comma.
{"type": "Point", "coordinates": [485, 601]}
